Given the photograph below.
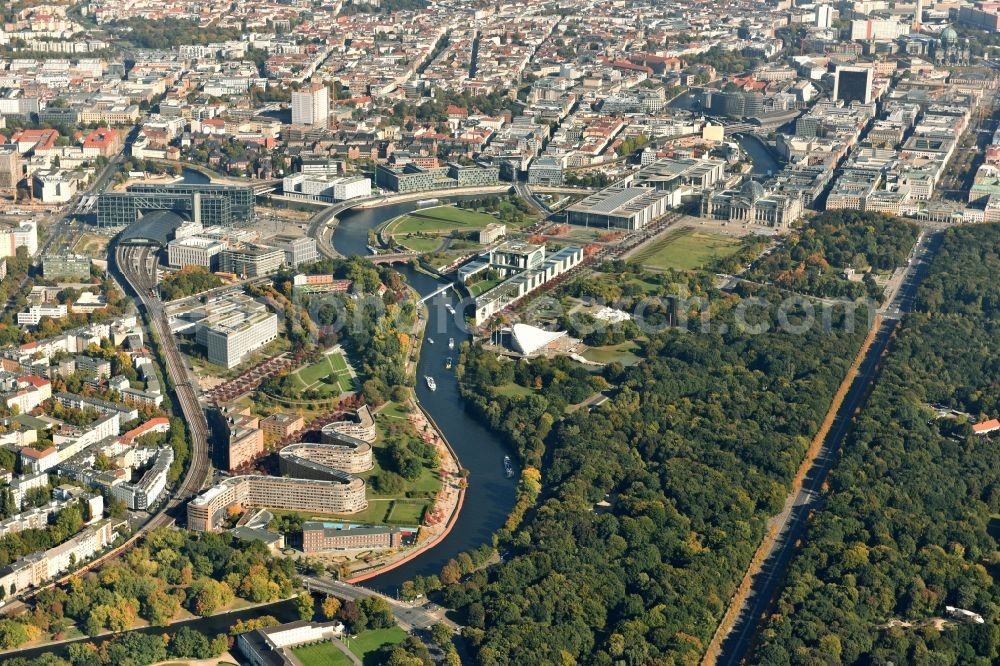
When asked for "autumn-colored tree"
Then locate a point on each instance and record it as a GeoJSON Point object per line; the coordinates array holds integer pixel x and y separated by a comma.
{"type": "Point", "coordinates": [331, 606]}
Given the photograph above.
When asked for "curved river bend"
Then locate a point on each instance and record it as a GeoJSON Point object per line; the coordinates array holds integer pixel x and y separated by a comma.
{"type": "Point", "coordinates": [490, 494]}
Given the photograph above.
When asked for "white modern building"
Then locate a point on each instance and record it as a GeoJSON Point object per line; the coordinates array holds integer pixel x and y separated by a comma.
{"type": "Point", "coordinates": [620, 207]}
{"type": "Point", "coordinates": [228, 343]}
{"type": "Point", "coordinates": [55, 186]}
{"type": "Point", "coordinates": [33, 315]}
{"type": "Point", "coordinates": [229, 327]}
{"type": "Point", "coordinates": [529, 339]}
{"type": "Point", "coordinates": [311, 106]}
{"type": "Point", "coordinates": [322, 186]}
{"type": "Point", "coordinates": [194, 251]}
{"type": "Point", "coordinates": [24, 234]}
{"type": "Point", "coordinates": [853, 84]}
{"type": "Point", "coordinates": [529, 268]}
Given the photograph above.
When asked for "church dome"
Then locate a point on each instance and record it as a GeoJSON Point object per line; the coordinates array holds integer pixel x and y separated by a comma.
{"type": "Point", "coordinates": [752, 190]}
{"type": "Point", "coordinates": [949, 36]}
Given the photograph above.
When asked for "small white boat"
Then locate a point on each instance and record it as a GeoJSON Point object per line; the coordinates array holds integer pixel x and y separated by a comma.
{"type": "Point", "coordinates": [430, 340]}
{"type": "Point", "coordinates": [431, 384]}
{"type": "Point", "coordinates": [451, 343]}
{"type": "Point", "coordinates": [447, 363]}
{"type": "Point", "coordinates": [450, 309]}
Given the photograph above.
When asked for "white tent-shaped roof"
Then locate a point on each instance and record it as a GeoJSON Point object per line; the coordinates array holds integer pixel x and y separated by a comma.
{"type": "Point", "coordinates": [529, 339]}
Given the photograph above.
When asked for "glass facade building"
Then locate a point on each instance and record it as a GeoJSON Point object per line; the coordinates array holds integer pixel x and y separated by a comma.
{"type": "Point", "coordinates": [210, 205]}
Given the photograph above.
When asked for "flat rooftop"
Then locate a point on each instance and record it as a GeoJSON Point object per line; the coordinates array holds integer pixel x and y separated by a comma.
{"type": "Point", "coordinates": [618, 201]}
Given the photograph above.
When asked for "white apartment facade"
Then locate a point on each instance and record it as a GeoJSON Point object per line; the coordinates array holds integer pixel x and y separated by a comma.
{"type": "Point", "coordinates": [311, 106]}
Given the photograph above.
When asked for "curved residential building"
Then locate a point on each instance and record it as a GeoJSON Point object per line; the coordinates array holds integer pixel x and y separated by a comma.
{"type": "Point", "coordinates": [363, 428]}
{"type": "Point", "coordinates": [345, 494]}
{"type": "Point", "coordinates": [315, 477]}
{"type": "Point", "coordinates": [329, 460]}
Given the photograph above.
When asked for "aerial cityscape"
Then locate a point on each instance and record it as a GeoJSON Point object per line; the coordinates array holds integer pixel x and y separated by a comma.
{"type": "Point", "coordinates": [442, 332]}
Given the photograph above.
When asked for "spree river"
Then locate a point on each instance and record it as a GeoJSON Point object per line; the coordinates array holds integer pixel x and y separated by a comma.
{"type": "Point", "coordinates": [490, 494]}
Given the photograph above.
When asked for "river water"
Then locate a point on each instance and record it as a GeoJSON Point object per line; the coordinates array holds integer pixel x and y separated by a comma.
{"type": "Point", "coordinates": [764, 161]}
{"type": "Point", "coordinates": [284, 611]}
{"type": "Point", "coordinates": [490, 494]}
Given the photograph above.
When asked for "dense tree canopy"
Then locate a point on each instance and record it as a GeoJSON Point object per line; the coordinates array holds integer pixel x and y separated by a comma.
{"type": "Point", "coordinates": [166, 34]}
{"type": "Point", "coordinates": [650, 505]}
{"type": "Point", "coordinates": [187, 281]}
{"type": "Point", "coordinates": [170, 570]}
{"type": "Point", "coordinates": [812, 259]}
{"type": "Point", "coordinates": [909, 525]}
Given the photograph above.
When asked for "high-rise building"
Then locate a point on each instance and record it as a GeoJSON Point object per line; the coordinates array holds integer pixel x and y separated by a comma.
{"type": "Point", "coordinates": [311, 106]}
{"type": "Point", "coordinates": [853, 84]}
{"type": "Point", "coordinates": [824, 16]}
{"type": "Point", "coordinates": [10, 170]}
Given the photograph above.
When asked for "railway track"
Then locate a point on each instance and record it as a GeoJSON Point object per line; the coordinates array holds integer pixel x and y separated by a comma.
{"type": "Point", "coordinates": [137, 264]}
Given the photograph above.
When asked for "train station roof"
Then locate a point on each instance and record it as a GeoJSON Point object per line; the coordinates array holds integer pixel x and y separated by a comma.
{"type": "Point", "coordinates": [156, 226]}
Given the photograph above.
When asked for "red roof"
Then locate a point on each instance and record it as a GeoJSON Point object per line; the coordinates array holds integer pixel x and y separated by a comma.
{"type": "Point", "coordinates": [100, 138]}
{"type": "Point", "coordinates": [43, 138]}
{"type": "Point", "coordinates": [34, 380]}
{"type": "Point", "coordinates": [32, 453]}
{"type": "Point", "coordinates": [145, 428]}
{"type": "Point", "coordinates": [986, 426]}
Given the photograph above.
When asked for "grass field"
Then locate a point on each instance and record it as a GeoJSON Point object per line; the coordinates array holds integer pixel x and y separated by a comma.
{"type": "Point", "coordinates": [329, 376]}
{"type": "Point", "coordinates": [369, 642]}
{"type": "Point", "coordinates": [514, 390]}
{"type": "Point", "coordinates": [483, 286]}
{"type": "Point", "coordinates": [407, 513]}
{"type": "Point", "coordinates": [583, 233]}
{"type": "Point", "coordinates": [623, 353]}
{"type": "Point", "coordinates": [321, 654]}
{"type": "Point", "coordinates": [440, 220]}
{"type": "Point", "coordinates": [686, 250]}
{"type": "Point", "coordinates": [419, 243]}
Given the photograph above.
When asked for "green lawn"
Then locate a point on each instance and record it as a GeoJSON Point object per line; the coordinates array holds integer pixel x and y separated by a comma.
{"type": "Point", "coordinates": [407, 512]}
{"type": "Point", "coordinates": [647, 287]}
{"type": "Point", "coordinates": [375, 514]}
{"type": "Point", "coordinates": [686, 250]}
{"type": "Point", "coordinates": [483, 286]}
{"type": "Point", "coordinates": [369, 642]}
{"type": "Point", "coordinates": [514, 390]}
{"type": "Point", "coordinates": [455, 214]}
{"type": "Point", "coordinates": [419, 243]}
{"type": "Point", "coordinates": [390, 410]}
{"type": "Point", "coordinates": [439, 220]}
{"type": "Point", "coordinates": [329, 376]}
{"type": "Point", "coordinates": [584, 233]}
{"type": "Point", "coordinates": [321, 654]}
{"type": "Point", "coordinates": [623, 353]}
